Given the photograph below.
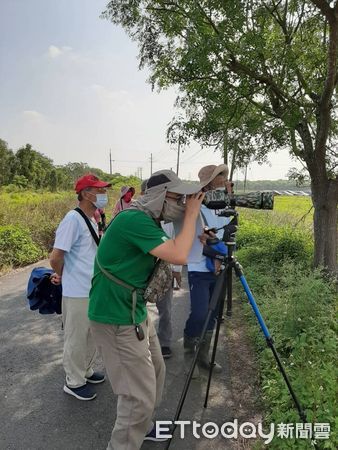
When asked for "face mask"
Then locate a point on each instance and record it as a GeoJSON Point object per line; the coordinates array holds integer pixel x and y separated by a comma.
{"type": "Point", "coordinates": [127, 197]}
{"type": "Point", "coordinates": [101, 200]}
{"type": "Point", "coordinates": [172, 212]}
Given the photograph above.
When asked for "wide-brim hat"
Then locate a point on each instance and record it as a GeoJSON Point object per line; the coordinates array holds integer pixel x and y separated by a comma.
{"type": "Point", "coordinates": [169, 181]}
{"type": "Point", "coordinates": [125, 189]}
{"type": "Point", "coordinates": [208, 173]}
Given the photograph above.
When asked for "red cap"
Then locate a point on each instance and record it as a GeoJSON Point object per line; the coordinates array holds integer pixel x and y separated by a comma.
{"type": "Point", "coordinates": [89, 180]}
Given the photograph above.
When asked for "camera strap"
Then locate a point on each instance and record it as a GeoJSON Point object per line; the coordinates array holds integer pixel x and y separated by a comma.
{"type": "Point", "coordinates": [204, 219]}
{"type": "Point", "coordinates": [89, 225]}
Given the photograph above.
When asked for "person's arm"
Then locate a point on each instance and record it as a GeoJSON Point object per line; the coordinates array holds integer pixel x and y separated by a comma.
{"type": "Point", "coordinates": [176, 250]}
{"type": "Point", "coordinates": [56, 261]}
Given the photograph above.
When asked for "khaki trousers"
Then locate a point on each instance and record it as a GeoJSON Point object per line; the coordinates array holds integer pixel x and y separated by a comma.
{"type": "Point", "coordinates": [79, 349]}
{"type": "Point", "coordinates": [136, 371]}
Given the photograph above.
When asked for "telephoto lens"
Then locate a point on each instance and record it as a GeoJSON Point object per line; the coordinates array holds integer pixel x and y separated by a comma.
{"type": "Point", "coordinates": [218, 199]}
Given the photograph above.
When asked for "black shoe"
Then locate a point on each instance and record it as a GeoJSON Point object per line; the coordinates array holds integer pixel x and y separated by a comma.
{"type": "Point", "coordinates": [96, 378]}
{"type": "Point", "coordinates": [151, 436]}
{"type": "Point", "coordinates": [166, 352]}
{"type": "Point", "coordinates": [81, 393]}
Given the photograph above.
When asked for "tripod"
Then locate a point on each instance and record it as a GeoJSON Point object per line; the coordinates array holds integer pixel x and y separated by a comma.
{"type": "Point", "coordinates": [224, 285]}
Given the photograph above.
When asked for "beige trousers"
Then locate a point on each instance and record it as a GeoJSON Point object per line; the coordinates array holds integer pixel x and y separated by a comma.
{"type": "Point", "coordinates": [136, 371]}
{"type": "Point", "coordinates": [79, 349]}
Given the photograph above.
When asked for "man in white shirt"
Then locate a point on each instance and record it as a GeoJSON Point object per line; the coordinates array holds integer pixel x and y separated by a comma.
{"type": "Point", "coordinates": [72, 259]}
{"type": "Point", "coordinates": [201, 280]}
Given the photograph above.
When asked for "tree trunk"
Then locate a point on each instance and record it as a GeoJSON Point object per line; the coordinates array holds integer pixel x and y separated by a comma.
{"type": "Point", "coordinates": [225, 148]}
{"type": "Point", "coordinates": [233, 166]}
{"type": "Point", "coordinates": [324, 198]}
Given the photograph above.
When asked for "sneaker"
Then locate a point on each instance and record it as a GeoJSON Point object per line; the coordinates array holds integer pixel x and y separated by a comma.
{"type": "Point", "coordinates": [81, 393]}
{"type": "Point", "coordinates": [96, 378]}
{"type": "Point", "coordinates": [151, 436]}
{"type": "Point", "coordinates": [166, 352]}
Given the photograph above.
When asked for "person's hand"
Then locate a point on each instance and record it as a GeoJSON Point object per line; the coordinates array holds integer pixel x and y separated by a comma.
{"type": "Point", "coordinates": [206, 235]}
{"type": "Point", "coordinates": [193, 204]}
{"type": "Point", "coordinates": [229, 186]}
{"type": "Point", "coordinates": [55, 278]}
{"type": "Point", "coordinates": [218, 265]}
{"type": "Point", "coordinates": [178, 277]}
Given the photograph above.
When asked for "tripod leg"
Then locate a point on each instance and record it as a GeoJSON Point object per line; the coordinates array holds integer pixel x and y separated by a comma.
{"type": "Point", "coordinates": [214, 302]}
{"type": "Point", "coordinates": [229, 292]}
{"type": "Point", "coordinates": [221, 301]}
{"type": "Point", "coordinates": [203, 358]}
{"type": "Point", "coordinates": [230, 247]}
{"type": "Point", "coordinates": [189, 345]}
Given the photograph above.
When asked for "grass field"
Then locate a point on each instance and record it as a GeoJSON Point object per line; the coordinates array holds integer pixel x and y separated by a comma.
{"type": "Point", "coordinates": [292, 211]}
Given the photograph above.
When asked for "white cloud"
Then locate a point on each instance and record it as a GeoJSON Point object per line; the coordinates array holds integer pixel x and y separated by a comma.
{"type": "Point", "coordinates": [54, 51]}
{"type": "Point", "coordinates": [31, 114]}
{"type": "Point", "coordinates": [117, 98]}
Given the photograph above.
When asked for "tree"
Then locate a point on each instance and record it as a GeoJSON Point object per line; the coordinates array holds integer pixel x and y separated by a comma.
{"type": "Point", "coordinates": [75, 170]}
{"type": "Point", "coordinates": [34, 166]}
{"type": "Point", "coordinates": [279, 57]}
{"type": "Point", "coordinates": [6, 163]}
{"type": "Point", "coordinates": [53, 181]}
{"type": "Point", "coordinates": [214, 119]}
{"type": "Point", "coordinates": [20, 181]}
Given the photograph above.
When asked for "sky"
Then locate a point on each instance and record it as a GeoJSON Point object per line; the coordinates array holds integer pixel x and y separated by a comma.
{"type": "Point", "coordinates": [70, 86]}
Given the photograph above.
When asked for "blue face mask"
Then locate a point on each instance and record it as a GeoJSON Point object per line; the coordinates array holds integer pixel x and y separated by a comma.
{"type": "Point", "coordinates": [101, 200]}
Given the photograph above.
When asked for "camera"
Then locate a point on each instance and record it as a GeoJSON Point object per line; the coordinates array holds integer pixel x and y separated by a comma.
{"type": "Point", "coordinates": [220, 199]}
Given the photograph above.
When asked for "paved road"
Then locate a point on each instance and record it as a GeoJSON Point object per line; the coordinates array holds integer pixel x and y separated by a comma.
{"type": "Point", "coordinates": [35, 414]}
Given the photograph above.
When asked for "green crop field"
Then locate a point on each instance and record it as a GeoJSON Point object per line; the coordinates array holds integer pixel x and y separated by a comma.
{"type": "Point", "coordinates": [288, 210]}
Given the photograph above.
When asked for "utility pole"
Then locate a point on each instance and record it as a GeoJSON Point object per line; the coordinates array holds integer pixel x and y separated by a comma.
{"type": "Point", "coordinates": [139, 172]}
{"type": "Point", "coordinates": [178, 155]}
{"type": "Point", "coordinates": [110, 163]}
{"type": "Point", "coordinates": [151, 164]}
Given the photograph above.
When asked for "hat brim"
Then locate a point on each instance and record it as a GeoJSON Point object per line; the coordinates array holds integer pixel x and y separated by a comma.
{"type": "Point", "coordinates": [186, 188]}
{"type": "Point", "coordinates": [217, 171]}
{"type": "Point", "coordinates": [97, 184]}
{"type": "Point", "coordinates": [101, 184]}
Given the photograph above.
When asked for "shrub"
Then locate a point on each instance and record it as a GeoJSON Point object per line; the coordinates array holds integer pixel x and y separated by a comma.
{"type": "Point", "coordinates": [298, 306]}
{"type": "Point", "coordinates": [275, 243]}
{"type": "Point", "coordinates": [17, 247]}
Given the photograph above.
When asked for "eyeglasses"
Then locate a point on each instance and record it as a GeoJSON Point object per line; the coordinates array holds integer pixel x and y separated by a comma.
{"type": "Point", "coordinates": [180, 199]}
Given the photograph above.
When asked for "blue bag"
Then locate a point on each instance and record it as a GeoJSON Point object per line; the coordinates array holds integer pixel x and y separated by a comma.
{"type": "Point", "coordinates": [42, 294]}
{"type": "Point", "coordinates": [219, 248]}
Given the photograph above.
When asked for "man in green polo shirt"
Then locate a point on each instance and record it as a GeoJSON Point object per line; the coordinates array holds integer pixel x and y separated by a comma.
{"type": "Point", "coordinates": [122, 331]}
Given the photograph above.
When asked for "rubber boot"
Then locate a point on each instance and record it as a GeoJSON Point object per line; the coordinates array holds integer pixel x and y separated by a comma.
{"type": "Point", "coordinates": [189, 345]}
{"type": "Point", "coordinates": [203, 355]}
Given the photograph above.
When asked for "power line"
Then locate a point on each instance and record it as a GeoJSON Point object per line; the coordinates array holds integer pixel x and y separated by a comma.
{"type": "Point", "coordinates": [196, 153]}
